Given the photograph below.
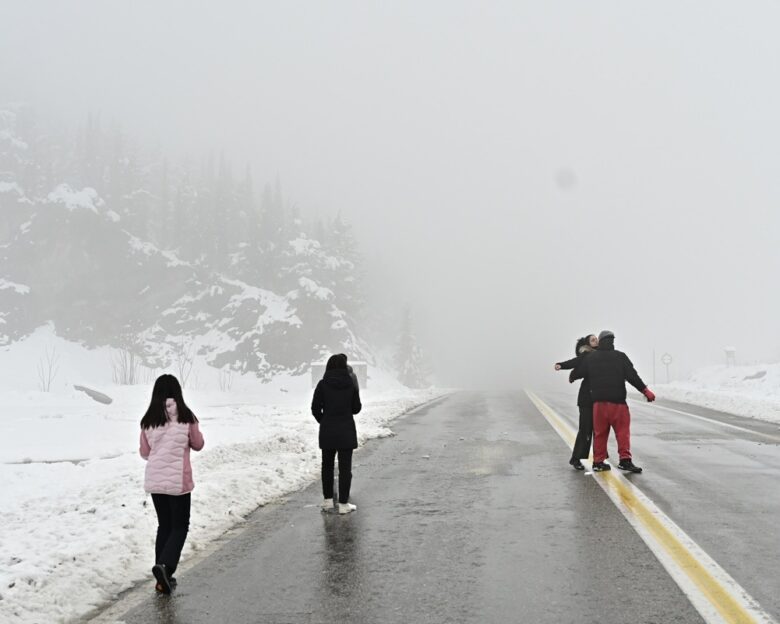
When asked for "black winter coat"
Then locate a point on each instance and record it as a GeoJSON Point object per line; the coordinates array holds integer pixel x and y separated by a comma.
{"type": "Point", "coordinates": [336, 399]}
{"type": "Point", "coordinates": [583, 397]}
{"type": "Point", "coordinates": [608, 370]}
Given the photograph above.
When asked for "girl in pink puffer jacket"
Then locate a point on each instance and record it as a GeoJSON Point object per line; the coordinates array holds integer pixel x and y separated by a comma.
{"type": "Point", "coordinates": [169, 430]}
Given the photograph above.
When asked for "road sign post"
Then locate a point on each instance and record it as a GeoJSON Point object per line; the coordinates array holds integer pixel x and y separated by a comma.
{"type": "Point", "coordinates": [666, 360]}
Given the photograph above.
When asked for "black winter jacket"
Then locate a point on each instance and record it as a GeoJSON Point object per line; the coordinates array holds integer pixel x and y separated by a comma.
{"type": "Point", "coordinates": [336, 399]}
{"type": "Point", "coordinates": [583, 397]}
{"type": "Point", "coordinates": [608, 370]}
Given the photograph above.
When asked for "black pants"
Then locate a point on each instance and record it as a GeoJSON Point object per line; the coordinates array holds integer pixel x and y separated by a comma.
{"type": "Point", "coordinates": [345, 473]}
{"type": "Point", "coordinates": [581, 448]}
{"type": "Point", "coordinates": [173, 522]}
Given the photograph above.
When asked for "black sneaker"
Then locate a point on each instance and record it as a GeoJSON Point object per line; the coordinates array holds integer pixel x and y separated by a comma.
{"type": "Point", "coordinates": [576, 464]}
{"type": "Point", "coordinates": [164, 585]}
{"type": "Point", "coordinates": [601, 467]}
{"type": "Point", "coordinates": [628, 466]}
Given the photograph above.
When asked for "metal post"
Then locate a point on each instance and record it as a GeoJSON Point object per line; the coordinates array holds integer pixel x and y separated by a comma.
{"type": "Point", "coordinates": [666, 360]}
{"type": "Point", "coordinates": [653, 367]}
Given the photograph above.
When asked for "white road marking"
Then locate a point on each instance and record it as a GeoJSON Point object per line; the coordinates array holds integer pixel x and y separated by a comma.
{"type": "Point", "coordinates": [775, 438]}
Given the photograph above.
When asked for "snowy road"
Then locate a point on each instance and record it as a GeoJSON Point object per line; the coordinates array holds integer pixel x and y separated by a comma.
{"type": "Point", "coordinates": [468, 514]}
{"type": "Point", "coordinates": [718, 477]}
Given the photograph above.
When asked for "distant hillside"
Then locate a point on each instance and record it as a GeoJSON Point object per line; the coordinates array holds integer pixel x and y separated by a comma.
{"type": "Point", "coordinates": [114, 248]}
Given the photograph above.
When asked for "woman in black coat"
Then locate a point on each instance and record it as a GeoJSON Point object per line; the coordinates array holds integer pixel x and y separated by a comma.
{"type": "Point", "coordinates": [581, 448]}
{"type": "Point", "coordinates": [336, 400]}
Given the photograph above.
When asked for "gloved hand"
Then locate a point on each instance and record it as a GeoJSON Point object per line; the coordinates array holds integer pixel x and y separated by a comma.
{"type": "Point", "coordinates": [649, 394]}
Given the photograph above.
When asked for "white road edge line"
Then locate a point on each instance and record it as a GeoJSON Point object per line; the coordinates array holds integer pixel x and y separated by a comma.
{"type": "Point", "coordinates": [685, 579]}
{"type": "Point", "coordinates": [709, 420]}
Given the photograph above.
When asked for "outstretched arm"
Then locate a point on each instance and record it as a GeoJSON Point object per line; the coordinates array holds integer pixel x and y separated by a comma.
{"type": "Point", "coordinates": [568, 364]}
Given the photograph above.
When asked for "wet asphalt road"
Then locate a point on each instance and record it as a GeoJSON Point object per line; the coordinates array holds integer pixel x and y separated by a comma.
{"type": "Point", "coordinates": [719, 483]}
{"type": "Point", "coordinates": [468, 514]}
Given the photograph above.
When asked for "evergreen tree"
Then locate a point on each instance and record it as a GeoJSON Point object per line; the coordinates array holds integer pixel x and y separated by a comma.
{"type": "Point", "coordinates": [182, 204]}
{"type": "Point", "coordinates": [272, 234]}
{"type": "Point", "coordinates": [411, 364]}
{"type": "Point", "coordinates": [347, 275]}
{"type": "Point", "coordinates": [222, 215]}
{"type": "Point", "coordinates": [162, 222]}
{"type": "Point", "coordinates": [90, 173]}
{"type": "Point", "coordinates": [272, 213]}
{"type": "Point", "coordinates": [115, 181]}
{"type": "Point", "coordinates": [249, 214]}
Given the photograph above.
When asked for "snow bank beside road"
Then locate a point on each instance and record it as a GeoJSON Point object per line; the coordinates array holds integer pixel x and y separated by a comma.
{"type": "Point", "coordinates": [751, 391]}
{"type": "Point", "coordinates": [77, 528]}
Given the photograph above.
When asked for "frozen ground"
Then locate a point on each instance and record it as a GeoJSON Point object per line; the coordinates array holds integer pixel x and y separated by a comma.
{"type": "Point", "coordinates": [752, 391]}
{"type": "Point", "coordinates": [77, 528]}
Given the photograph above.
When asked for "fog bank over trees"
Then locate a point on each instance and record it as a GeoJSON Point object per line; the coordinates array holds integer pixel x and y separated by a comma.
{"type": "Point", "coordinates": [517, 173]}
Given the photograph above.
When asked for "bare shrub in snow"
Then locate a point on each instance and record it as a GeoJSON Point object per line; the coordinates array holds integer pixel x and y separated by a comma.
{"type": "Point", "coordinates": [149, 375]}
{"type": "Point", "coordinates": [184, 361]}
{"type": "Point", "coordinates": [48, 366]}
{"type": "Point", "coordinates": [225, 379]}
{"type": "Point", "coordinates": [193, 381]}
{"type": "Point", "coordinates": [125, 367]}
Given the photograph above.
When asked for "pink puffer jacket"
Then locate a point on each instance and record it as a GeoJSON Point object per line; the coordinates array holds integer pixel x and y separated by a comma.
{"type": "Point", "coordinates": [167, 451]}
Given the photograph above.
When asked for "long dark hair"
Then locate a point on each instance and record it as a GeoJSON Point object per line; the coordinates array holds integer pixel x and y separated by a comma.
{"type": "Point", "coordinates": [166, 387]}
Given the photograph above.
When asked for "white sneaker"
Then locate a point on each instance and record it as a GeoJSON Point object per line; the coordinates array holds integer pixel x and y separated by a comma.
{"type": "Point", "coordinates": [327, 504]}
{"type": "Point", "coordinates": [345, 508]}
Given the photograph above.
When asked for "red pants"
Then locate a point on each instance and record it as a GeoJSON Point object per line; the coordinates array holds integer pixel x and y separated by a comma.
{"type": "Point", "coordinates": [617, 416]}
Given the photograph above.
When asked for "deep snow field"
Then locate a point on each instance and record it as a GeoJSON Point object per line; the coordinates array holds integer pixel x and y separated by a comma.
{"type": "Point", "coordinates": [77, 527]}
{"type": "Point", "coordinates": [752, 391]}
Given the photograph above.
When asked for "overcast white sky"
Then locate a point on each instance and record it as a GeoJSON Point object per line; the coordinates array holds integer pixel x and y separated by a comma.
{"type": "Point", "coordinates": [526, 172]}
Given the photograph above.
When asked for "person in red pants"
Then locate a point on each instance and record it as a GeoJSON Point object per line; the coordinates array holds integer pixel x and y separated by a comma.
{"type": "Point", "coordinates": [607, 370]}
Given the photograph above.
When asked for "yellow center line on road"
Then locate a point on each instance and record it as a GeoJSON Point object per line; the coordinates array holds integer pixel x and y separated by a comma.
{"type": "Point", "coordinates": [715, 594]}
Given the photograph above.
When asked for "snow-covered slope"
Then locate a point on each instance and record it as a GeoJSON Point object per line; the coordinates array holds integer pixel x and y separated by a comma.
{"type": "Point", "coordinates": [752, 391]}
{"type": "Point", "coordinates": [163, 263]}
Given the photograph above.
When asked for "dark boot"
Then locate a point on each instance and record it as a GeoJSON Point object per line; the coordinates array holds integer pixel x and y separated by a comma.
{"type": "Point", "coordinates": [576, 464]}
{"type": "Point", "coordinates": [601, 467]}
{"type": "Point", "coordinates": [164, 584]}
{"type": "Point", "coordinates": [628, 466]}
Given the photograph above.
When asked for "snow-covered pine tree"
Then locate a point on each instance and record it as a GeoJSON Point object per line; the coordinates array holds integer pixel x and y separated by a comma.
{"type": "Point", "coordinates": [348, 275]}
{"type": "Point", "coordinates": [248, 210]}
{"type": "Point", "coordinates": [222, 214]}
{"type": "Point", "coordinates": [411, 365]}
{"type": "Point", "coordinates": [272, 239]}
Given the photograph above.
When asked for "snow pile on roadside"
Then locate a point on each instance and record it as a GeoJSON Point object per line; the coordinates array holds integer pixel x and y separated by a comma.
{"type": "Point", "coordinates": [752, 391]}
{"type": "Point", "coordinates": [77, 526]}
